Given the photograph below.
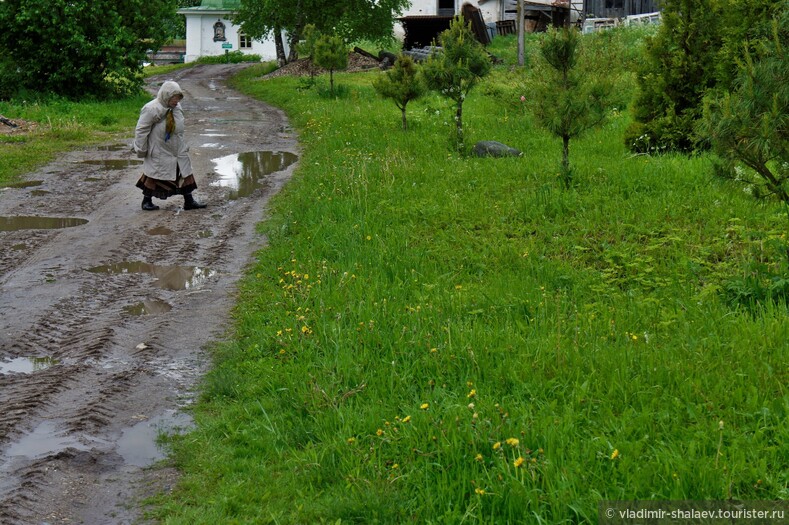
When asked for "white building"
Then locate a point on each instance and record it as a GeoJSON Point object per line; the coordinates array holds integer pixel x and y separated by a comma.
{"type": "Point", "coordinates": [210, 32]}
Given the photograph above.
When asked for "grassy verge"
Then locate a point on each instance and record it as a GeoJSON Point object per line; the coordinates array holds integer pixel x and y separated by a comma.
{"type": "Point", "coordinates": [62, 125]}
{"type": "Point", "coordinates": [438, 339]}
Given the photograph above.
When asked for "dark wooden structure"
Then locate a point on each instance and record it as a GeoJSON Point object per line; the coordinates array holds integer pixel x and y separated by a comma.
{"type": "Point", "coordinates": [618, 8]}
{"type": "Point", "coordinates": [423, 30]}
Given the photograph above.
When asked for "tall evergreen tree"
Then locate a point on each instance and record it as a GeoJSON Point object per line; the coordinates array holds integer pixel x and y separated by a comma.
{"type": "Point", "coordinates": [678, 70]}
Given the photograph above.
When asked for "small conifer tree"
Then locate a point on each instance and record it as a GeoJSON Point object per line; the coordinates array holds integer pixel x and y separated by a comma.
{"type": "Point", "coordinates": [403, 83]}
{"type": "Point", "coordinates": [567, 101]}
{"type": "Point", "coordinates": [332, 54]}
{"type": "Point", "coordinates": [457, 68]}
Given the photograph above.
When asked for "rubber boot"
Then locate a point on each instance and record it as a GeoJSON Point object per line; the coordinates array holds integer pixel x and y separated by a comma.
{"type": "Point", "coordinates": [148, 205]}
{"type": "Point", "coordinates": [191, 204]}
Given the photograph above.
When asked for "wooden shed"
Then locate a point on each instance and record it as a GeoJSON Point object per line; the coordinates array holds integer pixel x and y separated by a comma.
{"type": "Point", "coordinates": [618, 8]}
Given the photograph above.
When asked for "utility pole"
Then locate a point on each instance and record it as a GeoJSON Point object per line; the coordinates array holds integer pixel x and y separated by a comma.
{"type": "Point", "coordinates": [519, 22]}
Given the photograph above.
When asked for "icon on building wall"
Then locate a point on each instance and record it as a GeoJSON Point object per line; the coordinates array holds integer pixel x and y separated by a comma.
{"type": "Point", "coordinates": [219, 31]}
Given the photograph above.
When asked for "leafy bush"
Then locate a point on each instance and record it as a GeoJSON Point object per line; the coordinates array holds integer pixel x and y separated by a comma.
{"type": "Point", "coordinates": [79, 48]}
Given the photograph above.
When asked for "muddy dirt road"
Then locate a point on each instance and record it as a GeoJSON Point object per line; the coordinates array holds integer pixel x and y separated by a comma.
{"type": "Point", "coordinates": [106, 310]}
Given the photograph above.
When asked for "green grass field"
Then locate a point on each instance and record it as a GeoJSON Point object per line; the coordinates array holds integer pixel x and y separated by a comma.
{"type": "Point", "coordinates": [435, 338]}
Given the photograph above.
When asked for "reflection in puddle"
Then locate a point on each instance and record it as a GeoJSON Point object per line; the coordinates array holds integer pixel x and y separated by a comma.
{"type": "Point", "coordinates": [26, 365]}
{"type": "Point", "coordinates": [26, 184]}
{"type": "Point", "coordinates": [113, 164]}
{"type": "Point", "coordinates": [159, 230]}
{"type": "Point", "coordinates": [44, 440]}
{"type": "Point", "coordinates": [242, 172]}
{"type": "Point", "coordinates": [137, 444]}
{"type": "Point", "coordinates": [148, 307]}
{"type": "Point", "coordinates": [8, 224]}
{"type": "Point", "coordinates": [115, 147]}
{"type": "Point", "coordinates": [168, 277]}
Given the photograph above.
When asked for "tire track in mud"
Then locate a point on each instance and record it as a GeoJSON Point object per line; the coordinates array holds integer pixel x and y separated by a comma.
{"type": "Point", "coordinates": [80, 367]}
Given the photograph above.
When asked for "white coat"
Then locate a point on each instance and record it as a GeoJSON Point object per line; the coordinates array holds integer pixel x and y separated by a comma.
{"type": "Point", "coordinates": [161, 154]}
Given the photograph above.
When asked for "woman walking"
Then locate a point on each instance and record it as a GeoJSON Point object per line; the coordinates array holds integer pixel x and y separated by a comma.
{"type": "Point", "coordinates": [159, 140]}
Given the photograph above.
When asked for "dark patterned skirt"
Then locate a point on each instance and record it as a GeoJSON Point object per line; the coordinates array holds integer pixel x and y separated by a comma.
{"type": "Point", "coordinates": [161, 189]}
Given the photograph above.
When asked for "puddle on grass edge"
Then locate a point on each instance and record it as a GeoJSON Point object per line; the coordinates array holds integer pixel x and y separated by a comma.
{"type": "Point", "coordinates": [242, 173]}
{"type": "Point", "coordinates": [138, 444]}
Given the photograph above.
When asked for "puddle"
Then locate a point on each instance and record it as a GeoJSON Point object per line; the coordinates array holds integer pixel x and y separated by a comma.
{"type": "Point", "coordinates": [8, 224]}
{"type": "Point", "coordinates": [26, 365]}
{"type": "Point", "coordinates": [159, 230]}
{"type": "Point", "coordinates": [137, 445]}
{"type": "Point", "coordinates": [242, 172]}
{"type": "Point", "coordinates": [115, 147]}
{"type": "Point", "coordinates": [26, 184]}
{"type": "Point", "coordinates": [113, 164]}
{"type": "Point", "coordinates": [168, 277]}
{"type": "Point", "coordinates": [148, 307]}
{"type": "Point", "coordinates": [46, 439]}
{"type": "Point", "coordinates": [39, 193]}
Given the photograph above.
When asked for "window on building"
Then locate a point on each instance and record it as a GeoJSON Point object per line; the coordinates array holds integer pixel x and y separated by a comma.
{"type": "Point", "coordinates": [614, 4]}
{"type": "Point", "coordinates": [244, 42]}
{"type": "Point", "coordinates": [446, 7]}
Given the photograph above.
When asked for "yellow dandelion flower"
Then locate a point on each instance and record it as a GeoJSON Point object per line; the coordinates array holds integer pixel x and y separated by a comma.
{"type": "Point", "coordinates": [473, 393]}
{"type": "Point", "coordinates": [395, 466]}
{"type": "Point", "coordinates": [351, 440]}
{"type": "Point", "coordinates": [480, 492]}
{"type": "Point", "coordinates": [497, 445]}
{"type": "Point", "coordinates": [424, 406]}
{"type": "Point", "coordinates": [478, 457]}
{"type": "Point", "coordinates": [406, 419]}
{"type": "Point", "coordinates": [519, 462]}
{"type": "Point", "coordinates": [379, 432]}
{"type": "Point", "coordinates": [615, 454]}
{"type": "Point", "coordinates": [513, 442]}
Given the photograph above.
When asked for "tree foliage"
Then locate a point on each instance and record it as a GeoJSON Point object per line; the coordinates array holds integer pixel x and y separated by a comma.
{"type": "Point", "coordinates": [331, 53]}
{"type": "Point", "coordinates": [568, 100]}
{"type": "Point", "coordinates": [749, 126]}
{"type": "Point", "coordinates": [695, 51]}
{"type": "Point", "coordinates": [78, 48]}
{"type": "Point", "coordinates": [349, 19]}
{"type": "Point", "coordinates": [402, 84]}
{"type": "Point", "coordinates": [459, 66]}
{"type": "Point", "coordinates": [677, 71]}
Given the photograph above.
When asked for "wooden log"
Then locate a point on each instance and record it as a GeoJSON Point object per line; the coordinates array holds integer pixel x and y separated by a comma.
{"type": "Point", "coordinates": [7, 122]}
{"type": "Point", "coordinates": [365, 53]}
